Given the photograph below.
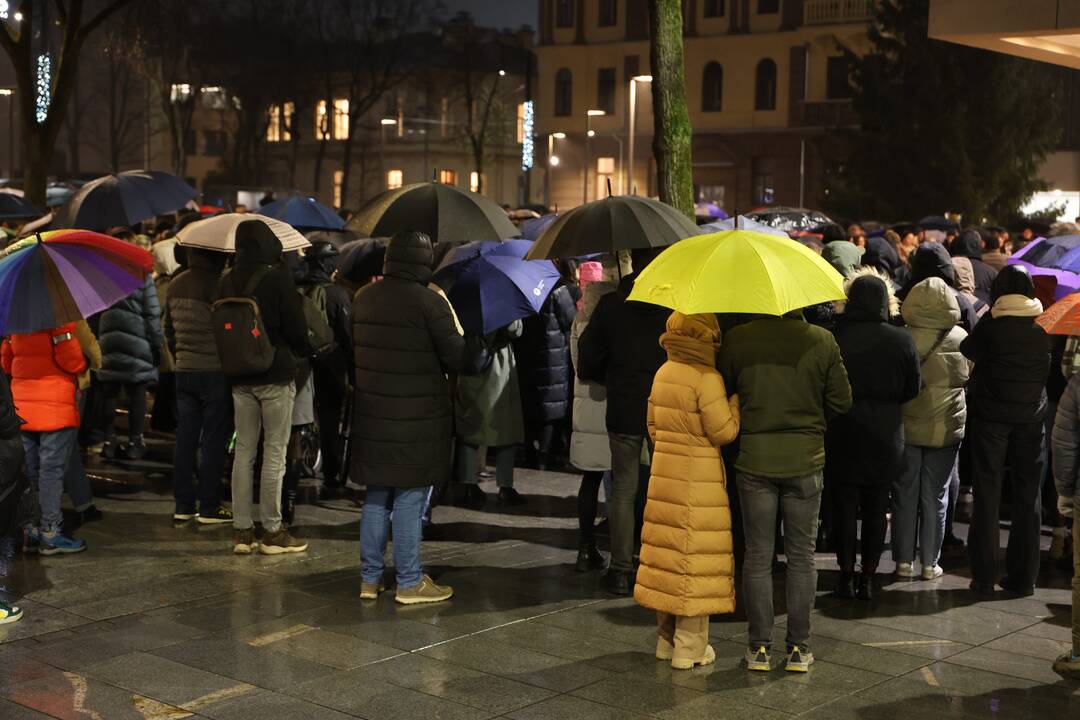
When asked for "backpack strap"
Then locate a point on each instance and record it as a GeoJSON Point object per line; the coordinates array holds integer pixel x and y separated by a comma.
{"type": "Point", "coordinates": [256, 277]}
{"type": "Point", "coordinates": [935, 346]}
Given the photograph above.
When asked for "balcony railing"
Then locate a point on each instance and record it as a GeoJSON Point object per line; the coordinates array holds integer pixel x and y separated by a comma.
{"type": "Point", "coordinates": [836, 12]}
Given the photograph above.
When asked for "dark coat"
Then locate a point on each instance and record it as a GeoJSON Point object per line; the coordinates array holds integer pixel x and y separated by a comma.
{"type": "Point", "coordinates": [488, 408]}
{"type": "Point", "coordinates": [131, 339]}
{"type": "Point", "coordinates": [932, 260]}
{"type": "Point", "coordinates": [279, 304]}
{"type": "Point", "coordinates": [621, 349]}
{"type": "Point", "coordinates": [338, 315]}
{"type": "Point", "coordinates": [543, 359]}
{"type": "Point", "coordinates": [188, 325]}
{"type": "Point", "coordinates": [405, 343]}
{"type": "Point", "coordinates": [883, 256]}
{"type": "Point", "coordinates": [866, 445]}
{"type": "Point", "coordinates": [10, 422]}
{"type": "Point", "coordinates": [969, 245]}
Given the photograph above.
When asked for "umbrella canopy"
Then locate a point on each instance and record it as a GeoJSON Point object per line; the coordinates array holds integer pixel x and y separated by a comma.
{"type": "Point", "coordinates": [218, 232]}
{"type": "Point", "coordinates": [709, 210]}
{"type": "Point", "coordinates": [361, 259]}
{"type": "Point", "coordinates": [456, 258]}
{"type": "Point", "coordinates": [303, 212]}
{"type": "Point", "coordinates": [740, 222]}
{"type": "Point", "coordinates": [497, 287]}
{"type": "Point", "coordinates": [58, 195]}
{"type": "Point", "coordinates": [621, 222]}
{"type": "Point", "coordinates": [738, 271]}
{"type": "Point", "coordinates": [443, 212]}
{"type": "Point", "coordinates": [337, 238]}
{"type": "Point", "coordinates": [938, 222]}
{"type": "Point", "coordinates": [533, 229]}
{"type": "Point", "coordinates": [789, 219]}
{"type": "Point", "coordinates": [13, 207]}
{"type": "Point", "coordinates": [65, 275]}
{"type": "Point", "coordinates": [1063, 317]}
{"type": "Point", "coordinates": [124, 199]}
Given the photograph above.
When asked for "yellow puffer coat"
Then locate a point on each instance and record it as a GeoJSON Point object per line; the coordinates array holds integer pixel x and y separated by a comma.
{"type": "Point", "coordinates": [687, 558]}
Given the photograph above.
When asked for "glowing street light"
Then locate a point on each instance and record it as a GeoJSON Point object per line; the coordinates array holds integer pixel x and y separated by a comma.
{"type": "Point", "coordinates": [589, 115]}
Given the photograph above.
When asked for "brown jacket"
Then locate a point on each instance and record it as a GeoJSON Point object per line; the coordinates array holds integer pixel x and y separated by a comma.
{"type": "Point", "coordinates": [687, 557]}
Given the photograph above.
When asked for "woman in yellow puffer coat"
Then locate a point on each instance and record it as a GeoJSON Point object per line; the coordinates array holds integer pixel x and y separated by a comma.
{"type": "Point", "coordinates": [687, 560]}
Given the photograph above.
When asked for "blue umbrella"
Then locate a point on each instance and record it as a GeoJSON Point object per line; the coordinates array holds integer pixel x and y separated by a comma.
{"type": "Point", "coordinates": [13, 206]}
{"type": "Point", "coordinates": [303, 212]}
{"type": "Point", "coordinates": [460, 254]}
{"type": "Point", "coordinates": [57, 195]}
{"type": "Point", "coordinates": [495, 288]}
{"type": "Point", "coordinates": [532, 229]}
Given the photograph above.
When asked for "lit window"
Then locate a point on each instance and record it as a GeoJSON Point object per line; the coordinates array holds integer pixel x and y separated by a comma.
{"type": "Point", "coordinates": [474, 181]}
{"type": "Point", "coordinates": [214, 97]}
{"type": "Point", "coordinates": [605, 165]}
{"type": "Point", "coordinates": [341, 119]}
{"type": "Point", "coordinates": [179, 92]}
{"type": "Point", "coordinates": [448, 177]}
{"type": "Point", "coordinates": [273, 124]}
{"type": "Point", "coordinates": [288, 112]}
{"type": "Point", "coordinates": [322, 128]}
{"type": "Point", "coordinates": [521, 123]}
{"type": "Point", "coordinates": [394, 179]}
{"type": "Point", "coordinates": [339, 177]}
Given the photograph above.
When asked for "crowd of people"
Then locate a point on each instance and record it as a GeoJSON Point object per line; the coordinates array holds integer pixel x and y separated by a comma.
{"type": "Point", "coordinates": [928, 382]}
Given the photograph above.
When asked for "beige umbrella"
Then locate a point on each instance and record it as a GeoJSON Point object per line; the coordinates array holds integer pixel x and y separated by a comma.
{"type": "Point", "coordinates": [219, 232]}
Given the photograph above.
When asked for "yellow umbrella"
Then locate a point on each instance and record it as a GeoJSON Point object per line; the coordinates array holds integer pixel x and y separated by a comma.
{"type": "Point", "coordinates": [738, 271]}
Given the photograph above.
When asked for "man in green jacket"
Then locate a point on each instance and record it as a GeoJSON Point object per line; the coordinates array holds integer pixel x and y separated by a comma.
{"type": "Point", "coordinates": [790, 380]}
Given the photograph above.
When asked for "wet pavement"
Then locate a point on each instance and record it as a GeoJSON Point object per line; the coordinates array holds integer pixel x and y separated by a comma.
{"type": "Point", "coordinates": [160, 621]}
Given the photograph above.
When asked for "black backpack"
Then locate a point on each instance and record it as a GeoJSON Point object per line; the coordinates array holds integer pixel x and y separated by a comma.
{"type": "Point", "coordinates": [320, 335]}
{"type": "Point", "coordinates": [242, 341]}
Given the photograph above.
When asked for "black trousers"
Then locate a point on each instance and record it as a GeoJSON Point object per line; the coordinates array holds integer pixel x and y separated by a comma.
{"type": "Point", "coordinates": [1023, 445]}
{"type": "Point", "coordinates": [872, 501]}
{"type": "Point", "coordinates": [330, 388]}
{"type": "Point", "coordinates": [587, 502]}
{"type": "Point", "coordinates": [136, 393]}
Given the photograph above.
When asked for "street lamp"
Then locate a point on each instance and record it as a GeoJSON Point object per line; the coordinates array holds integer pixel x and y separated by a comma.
{"type": "Point", "coordinates": [589, 115]}
{"type": "Point", "coordinates": [633, 118]}
{"type": "Point", "coordinates": [553, 162]}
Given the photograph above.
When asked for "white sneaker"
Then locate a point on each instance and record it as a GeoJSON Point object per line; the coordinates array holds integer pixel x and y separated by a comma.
{"type": "Point", "coordinates": [932, 572]}
{"type": "Point", "coordinates": [905, 570]}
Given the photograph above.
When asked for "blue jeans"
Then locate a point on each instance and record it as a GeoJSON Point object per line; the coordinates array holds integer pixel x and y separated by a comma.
{"type": "Point", "coordinates": [204, 407]}
{"type": "Point", "coordinates": [47, 456]}
{"type": "Point", "coordinates": [920, 499]}
{"type": "Point", "coordinates": [403, 507]}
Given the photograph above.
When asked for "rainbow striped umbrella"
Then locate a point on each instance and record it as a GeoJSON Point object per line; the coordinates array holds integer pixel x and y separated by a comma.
{"type": "Point", "coordinates": [65, 275]}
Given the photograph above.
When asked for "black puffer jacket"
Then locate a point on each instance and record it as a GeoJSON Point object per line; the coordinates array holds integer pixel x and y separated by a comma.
{"type": "Point", "coordinates": [130, 337]}
{"type": "Point", "coordinates": [10, 423]}
{"type": "Point", "coordinates": [338, 313]}
{"type": "Point", "coordinates": [969, 245]}
{"type": "Point", "coordinates": [1012, 359]}
{"type": "Point", "coordinates": [621, 348]}
{"type": "Point", "coordinates": [405, 343]}
{"type": "Point", "coordinates": [932, 260]}
{"type": "Point", "coordinates": [188, 326]}
{"type": "Point", "coordinates": [279, 304]}
{"type": "Point", "coordinates": [543, 359]}
{"type": "Point", "coordinates": [866, 445]}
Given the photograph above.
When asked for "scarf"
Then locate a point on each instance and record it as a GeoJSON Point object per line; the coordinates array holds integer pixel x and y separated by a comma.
{"type": "Point", "coordinates": [1016, 306]}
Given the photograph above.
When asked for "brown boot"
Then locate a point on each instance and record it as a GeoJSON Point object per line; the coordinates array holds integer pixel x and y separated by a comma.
{"type": "Point", "coordinates": [281, 542]}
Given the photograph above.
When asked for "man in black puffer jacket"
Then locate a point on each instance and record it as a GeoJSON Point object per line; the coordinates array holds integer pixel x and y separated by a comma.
{"type": "Point", "coordinates": [970, 245]}
{"type": "Point", "coordinates": [1006, 405]}
{"type": "Point", "coordinates": [203, 395]}
{"type": "Point", "coordinates": [621, 348]}
{"type": "Point", "coordinates": [405, 343]}
{"type": "Point", "coordinates": [265, 401]}
{"type": "Point", "coordinates": [932, 260]}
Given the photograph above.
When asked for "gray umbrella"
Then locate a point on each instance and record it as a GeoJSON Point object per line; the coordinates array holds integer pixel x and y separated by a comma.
{"type": "Point", "coordinates": [443, 212]}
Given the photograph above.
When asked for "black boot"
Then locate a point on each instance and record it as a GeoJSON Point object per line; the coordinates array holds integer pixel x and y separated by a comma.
{"type": "Point", "coordinates": [867, 590]}
{"type": "Point", "coordinates": [510, 497]}
{"type": "Point", "coordinates": [589, 558]}
{"type": "Point", "coordinates": [288, 491]}
{"type": "Point", "coordinates": [846, 587]}
{"type": "Point", "coordinates": [617, 582]}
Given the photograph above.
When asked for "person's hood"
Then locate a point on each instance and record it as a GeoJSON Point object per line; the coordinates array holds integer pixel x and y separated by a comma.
{"type": "Point", "coordinates": [868, 300]}
{"type": "Point", "coordinates": [931, 304]}
{"type": "Point", "coordinates": [296, 265]}
{"type": "Point", "coordinates": [409, 256]}
{"type": "Point", "coordinates": [256, 244]}
{"type": "Point", "coordinates": [1016, 305]}
{"type": "Point", "coordinates": [968, 245]}
{"type": "Point", "coordinates": [843, 256]}
{"type": "Point", "coordinates": [1013, 280]}
{"type": "Point", "coordinates": [965, 274]}
{"type": "Point", "coordinates": [866, 271]}
{"type": "Point", "coordinates": [881, 255]}
{"type": "Point", "coordinates": [206, 260]}
{"type": "Point", "coordinates": [692, 339]}
{"type": "Point", "coordinates": [319, 270]}
{"type": "Point", "coordinates": [932, 260]}
{"type": "Point", "coordinates": [164, 254]}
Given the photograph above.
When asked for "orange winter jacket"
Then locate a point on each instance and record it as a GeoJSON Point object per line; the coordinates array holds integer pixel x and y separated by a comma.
{"type": "Point", "coordinates": [687, 557]}
{"type": "Point", "coordinates": [44, 368]}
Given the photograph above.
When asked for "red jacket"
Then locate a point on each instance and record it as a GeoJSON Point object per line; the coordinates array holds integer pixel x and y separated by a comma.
{"type": "Point", "coordinates": [44, 368]}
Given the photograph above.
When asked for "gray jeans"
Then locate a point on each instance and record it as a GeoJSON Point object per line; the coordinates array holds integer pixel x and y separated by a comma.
{"type": "Point", "coordinates": [920, 499]}
{"type": "Point", "coordinates": [799, 499]}
{"type": "Point", "coordinates": [625, 476]}
{"type": "Point", "coordinates": [266, 408]}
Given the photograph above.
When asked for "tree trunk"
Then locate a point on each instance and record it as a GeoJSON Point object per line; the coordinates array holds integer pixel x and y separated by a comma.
{"type": "Point", "coordinates": [671, 119]}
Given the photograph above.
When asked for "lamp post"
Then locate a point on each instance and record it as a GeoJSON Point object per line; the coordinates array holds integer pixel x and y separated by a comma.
{"type": "Point", "coordinates": [633, 120]}
{"type": "Point", "coordinates": [553, 162]}
{"type": "Point", "coordinates": [589, 115]}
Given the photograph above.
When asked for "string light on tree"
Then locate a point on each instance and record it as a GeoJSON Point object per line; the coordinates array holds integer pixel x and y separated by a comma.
{"type": "Point", "coordinates": [5, 6]}
{"type": "Point", "coordinates": [43, 87]}
{"type": "Point", "coordinates": [527, 136]}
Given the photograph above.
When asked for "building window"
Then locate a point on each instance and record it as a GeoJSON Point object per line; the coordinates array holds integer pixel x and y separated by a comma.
{"type": "Point", "coordinates": [520, 135]}
{"type": "Point", "coordinates": [764, 192]}
{"type": "Point", "coordinates": [605, 90]}
{"type": "Point", "coordinates": [339, 178]}
{"type": "Point", "coordinates": [444, 116]}
{"type": "Point", "coordinates": [609, 13]}
{"type": "Point", "coordinates": [341, 119]}
{"type": "Point", "coordinates": [474, 182]}
{"type": "Point", "coordinates": [273, 124]}
{"type": "Point", "coordinates": [322, 127]}
{"type": "Point", "coordinates": [288, 113]}
{"type": "Point", "coordinates": [712, 87]}
{"type": "Point", "coordinates": [765, 85]}
{"type": "Point", "coordinates": [837, 86]}
{"type": "Point", "coordinates": [768, 7]}
{"type": "Point", "coordinates": [564, 93]}
{"type": "Point", "coordinates": [213, 143]}
{"type": "Point", "coordinates": [394, 179]}
{"type": "Point", "coordinates": [180, 92]}
{"type": "Point", "coordinates": [605, 169]}
{"type": "Point", "coordinates": [564, 13]}
{"type": "Point", "coordinates": [714, 8]}
{"type": "Point", "coordinates": [448, 177]}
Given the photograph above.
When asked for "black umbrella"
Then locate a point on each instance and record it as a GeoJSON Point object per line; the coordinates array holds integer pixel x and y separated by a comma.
{"type": "Point", "coordinates": [622, 222]}
{"type": "Point", "coordinates": [337, 238]}
{"type": "Point", "coordinates": [13, 207]}
{"type": "Point", "coordinates": [443, 212]}
{"type": "Point", "coordinates": [123, 199]}
{"type": "Point", "coordinates": [938, 222]}
{"type": "Point", "coordinates": [361, 259]}
{"type": "Point", "coordinates": [789, 219]}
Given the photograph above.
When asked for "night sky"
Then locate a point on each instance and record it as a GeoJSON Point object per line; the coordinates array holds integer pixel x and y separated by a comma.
{"type": "Point", "coordinates": [498, 13]}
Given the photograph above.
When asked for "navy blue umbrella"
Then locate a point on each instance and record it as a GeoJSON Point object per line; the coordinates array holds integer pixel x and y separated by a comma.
{"type": "Point", "coordinates": [460, 254]}
{"type": "Point", "coordinates": [497, 287]}
{"type": "Point", "coordinates": [13, 207]}
{"type": "Point", "coordinates": [123, 199]}
{"type": "Point", "coordinates": [532, 229]}
{"type": "Point", "coordinates": [303, 212]}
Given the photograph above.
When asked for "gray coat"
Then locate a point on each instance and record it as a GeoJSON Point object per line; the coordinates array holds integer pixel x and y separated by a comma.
{"type": "Point", "coordinates": [131, 339]}
{"type": "Point", "coordinates": [488, 407]}
{"type": "Point", "coordinates": [589, 445]}
{"type": "Point", "coordinates": [1065, 441]}
{"type": "Point", "coordinates": [936, 417]}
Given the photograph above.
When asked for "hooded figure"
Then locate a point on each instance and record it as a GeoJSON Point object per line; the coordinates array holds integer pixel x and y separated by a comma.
{"type": "Point", "coordinates": [1007, 403]}
{"type": "Point", "coordinates": [970, 245]}
{"type": "Point", "coordinates": [843, 256]}
{"type": "Point", "coordinates": [867, 443]}
{"type": "Point", "coordinates": [883, 256]}
{"type": "Point", "coordinates": [687, 567]}
{"type": "Point", "coordinates": [965, 283]}
{"type": "Point", "coordinates": [931, 259]}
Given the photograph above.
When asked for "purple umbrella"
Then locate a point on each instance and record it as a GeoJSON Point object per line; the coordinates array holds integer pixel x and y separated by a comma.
{"type": "Point", "coordinates": [1056, 257]}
